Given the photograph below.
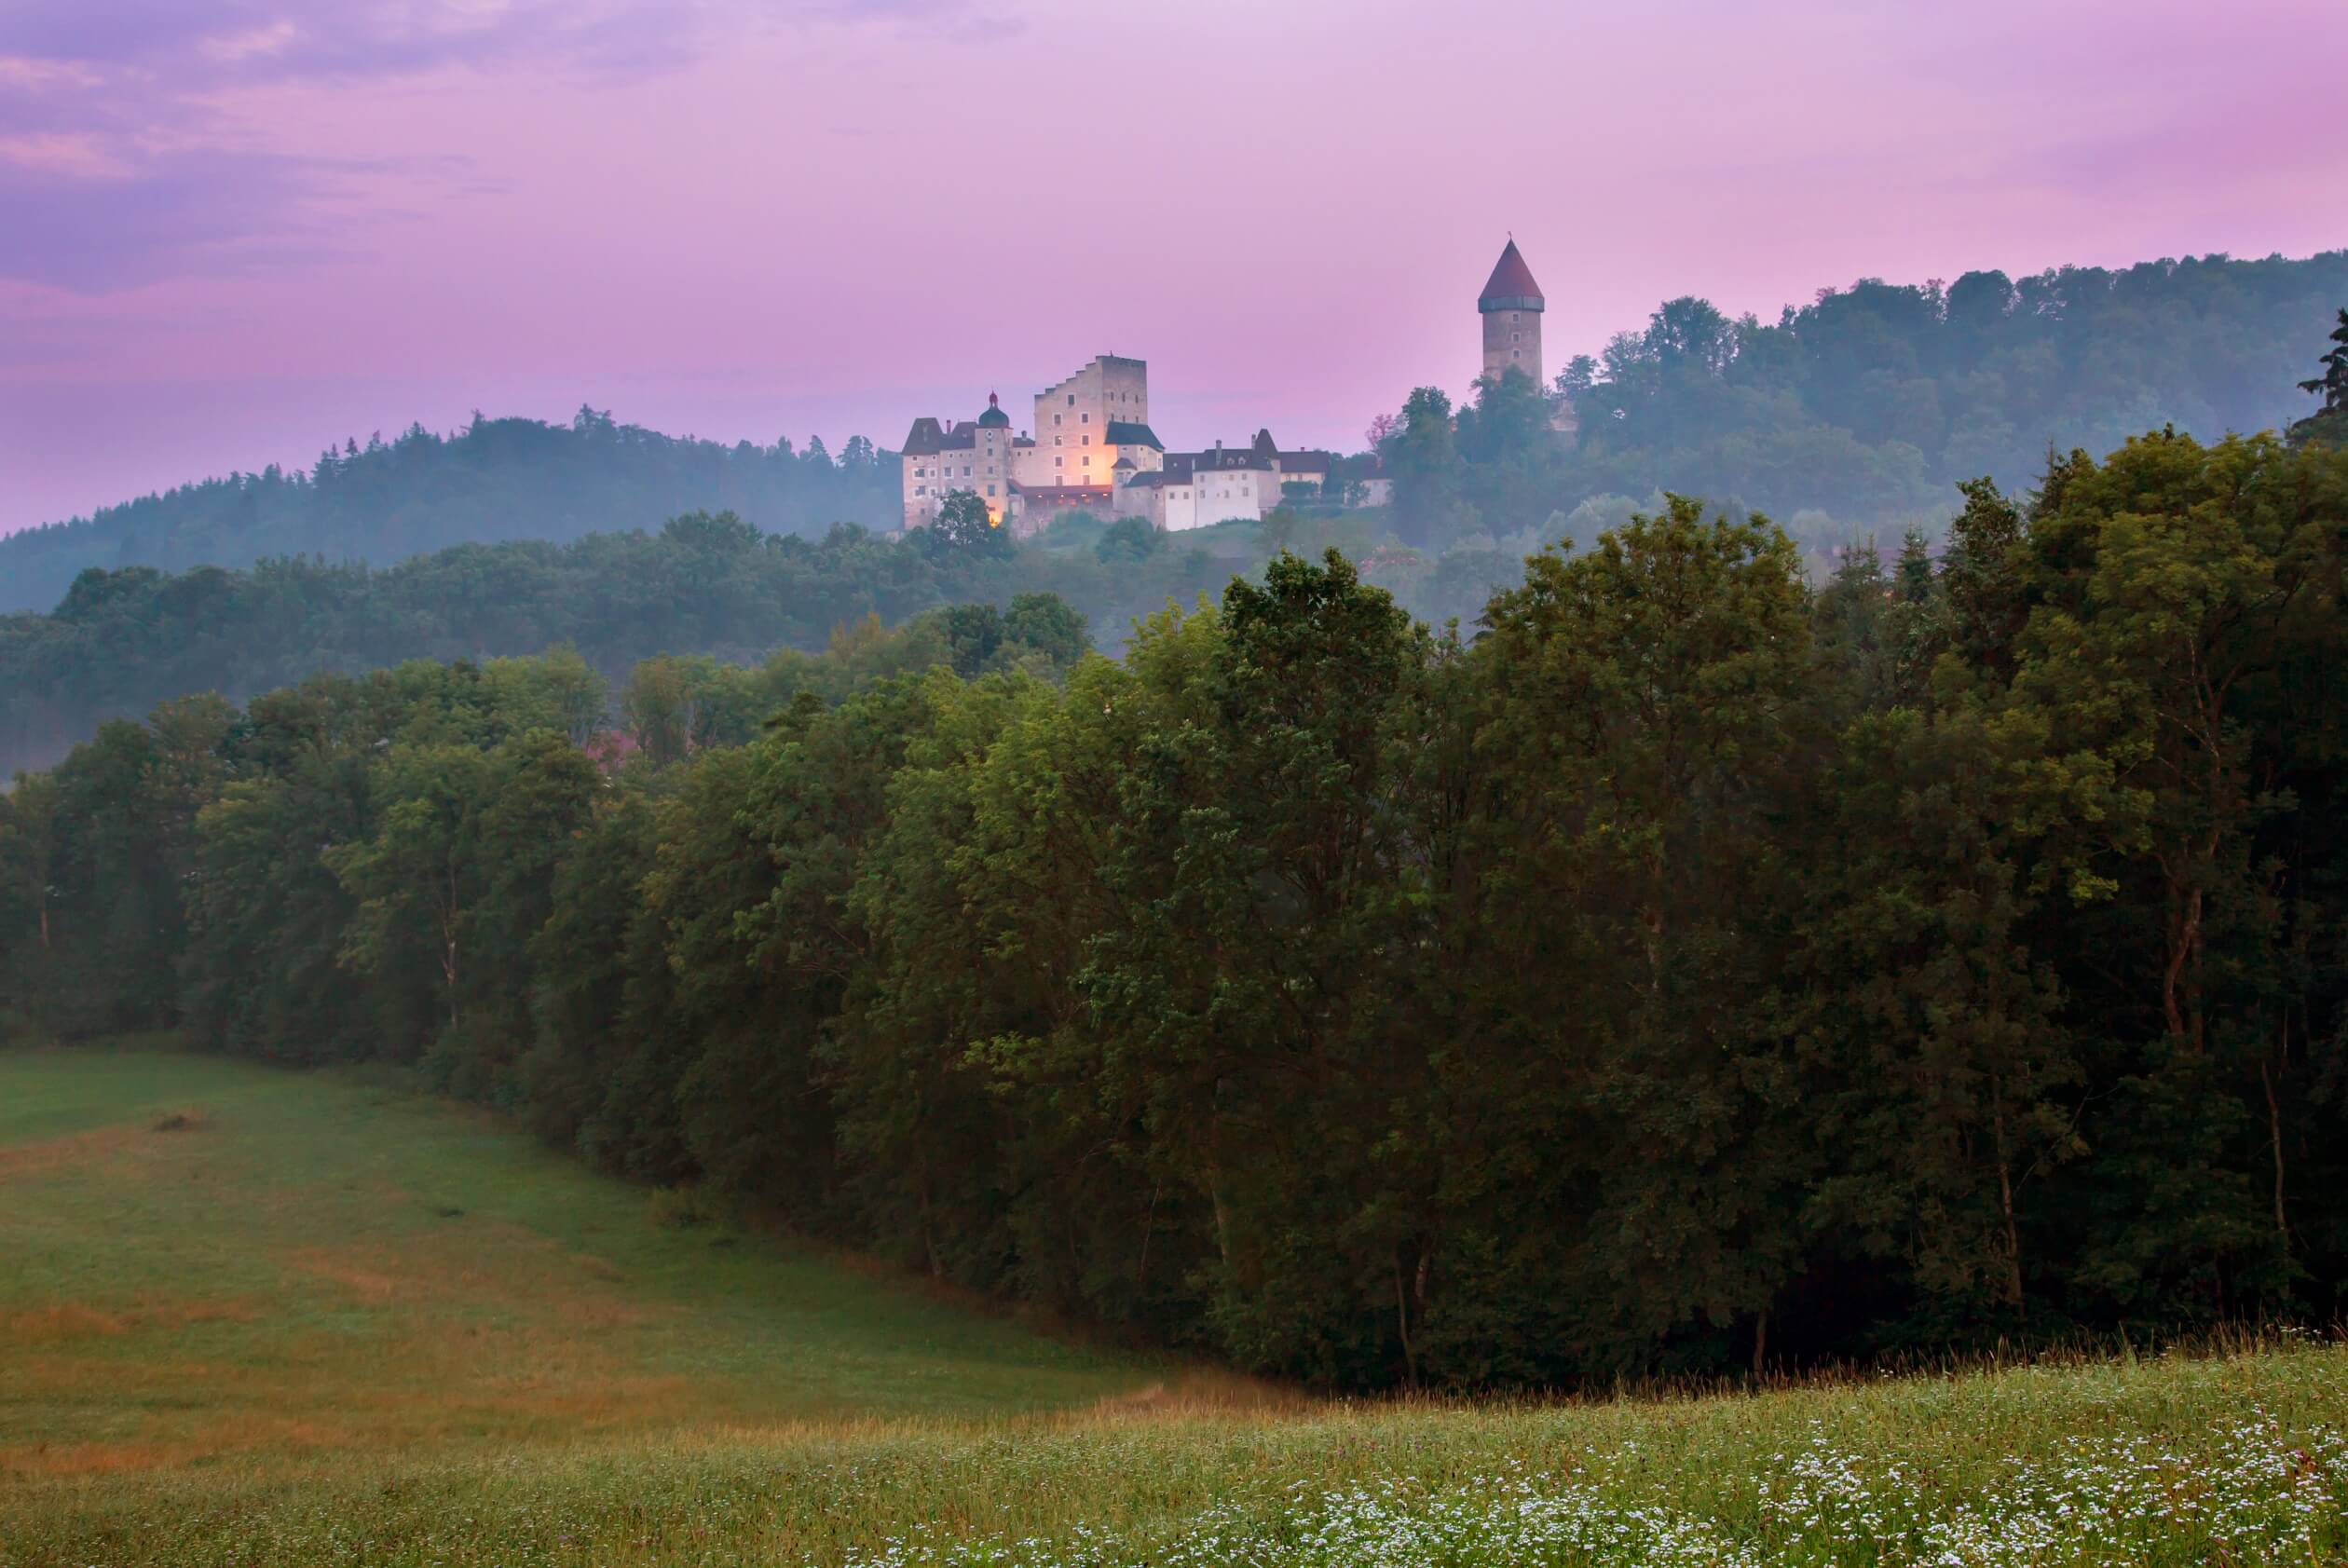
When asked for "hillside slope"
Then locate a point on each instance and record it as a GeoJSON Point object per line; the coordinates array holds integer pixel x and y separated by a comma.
{"type": "Point", "coordinates": [497, 479]}
{"type": "Point", "coordinates": [211, 1262]}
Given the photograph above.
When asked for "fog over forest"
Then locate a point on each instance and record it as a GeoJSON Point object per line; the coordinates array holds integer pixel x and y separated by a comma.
{"type": "Point", "coordinates": [1854, 414]}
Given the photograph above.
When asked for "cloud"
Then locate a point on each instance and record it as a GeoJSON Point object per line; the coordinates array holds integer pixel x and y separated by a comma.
{"type": "Point", "coordinates": [63, 153]}
{"type": "Point", "coordinates": [260, 43]}
{"type": "Point", "coordinates": [190, 213]}
{"type": "Point", "coordinates": [22, 73]}
{"type": "Point", "coordinates": [119, 165]}
{"type": "Point", "coordinates": [191, 47]}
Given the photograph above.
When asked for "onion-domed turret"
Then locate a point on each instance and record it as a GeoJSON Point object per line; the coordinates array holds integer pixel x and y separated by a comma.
{"type": "Point", "coordinates": [994, 418]}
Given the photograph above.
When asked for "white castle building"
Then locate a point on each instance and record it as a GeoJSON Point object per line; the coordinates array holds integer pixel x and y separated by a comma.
{"type": "Point", "coordinates": [1090, 431]}
{"type": "Point", "coordinates": [1092, 448]}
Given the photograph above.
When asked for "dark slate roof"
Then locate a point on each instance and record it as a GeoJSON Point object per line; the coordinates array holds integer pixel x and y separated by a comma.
{"type": "Point", "coordinates": [1067, 492]}
{"type": "Point", "coordinates": [1223, 458]}
{"type": "Point", "coordinates": [1510, 286]}
{"type": "Point", "coordinates": [1125, 432]}
{"type": "Point", "coordinates": [928, 437]}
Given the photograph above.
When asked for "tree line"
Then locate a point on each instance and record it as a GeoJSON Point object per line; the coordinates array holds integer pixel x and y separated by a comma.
{"type": "Point", "coordinates": [1858, 410]}
{"type": "Point", "coordinates": [1864, 407]}
{"type": "Point", "coordinates": [122, 640]}
{"type": "Point", "coordinates": [1691, 969]}
{"type": "Point", "coordinates": [419, 492]}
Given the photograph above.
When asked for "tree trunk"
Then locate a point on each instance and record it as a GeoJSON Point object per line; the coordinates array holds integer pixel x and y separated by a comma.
{"type": "Point", "coordinates": [2005, 1196]}
{"type": "Point", "coordinates": [1149, 1223]}
{"type": "Point", "coordinates": [1403, 1322]}
{"type": "Point", "coordinates": [2184, 932]}
{"type": "Point", "coordinates": [1223, 1211]}
{"type": "Point", "coordinates": [1760, 1341]}
{"type": "Point", "coordinates": [2275, 1136]}
{"type": "Point", "coordinates": [448, 938]}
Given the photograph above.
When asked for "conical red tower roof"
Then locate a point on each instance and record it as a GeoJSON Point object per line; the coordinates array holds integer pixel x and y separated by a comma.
{"type": "Point", "coordinates": [1510, 286]}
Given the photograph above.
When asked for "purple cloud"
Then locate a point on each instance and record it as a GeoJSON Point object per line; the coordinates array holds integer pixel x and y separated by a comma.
{"type": "Point", "coordinates": [118, 170]}
{"type": "Point", "coordinates": [254, 40]}
{"type": "Point", "coordinates": [182, 213]}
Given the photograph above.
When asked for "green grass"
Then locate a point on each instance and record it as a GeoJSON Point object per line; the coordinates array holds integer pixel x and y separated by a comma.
{"type": "Point", "coordinates": [267, 1340]}
{"type": "Point", "coordinates": [315, 1264]}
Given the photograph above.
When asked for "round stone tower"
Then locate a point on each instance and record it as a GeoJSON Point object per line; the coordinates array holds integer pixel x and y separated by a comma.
{"type": "Point", "coordinates": [1511, 307]}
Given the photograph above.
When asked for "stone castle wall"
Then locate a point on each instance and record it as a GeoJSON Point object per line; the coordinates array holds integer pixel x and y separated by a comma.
{"type": "Point", "coordinates": [1512, 339]}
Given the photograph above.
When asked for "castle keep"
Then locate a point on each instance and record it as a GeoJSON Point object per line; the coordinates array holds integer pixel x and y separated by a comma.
{"type": "Point", "coordinates": [1092, 448]}
{"type": "Point", "coordinates": [1511, 307]}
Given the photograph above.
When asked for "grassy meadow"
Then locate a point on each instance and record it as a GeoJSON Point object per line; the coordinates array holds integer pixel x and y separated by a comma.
{"type": "Point", "coordinates": [257, 1318]}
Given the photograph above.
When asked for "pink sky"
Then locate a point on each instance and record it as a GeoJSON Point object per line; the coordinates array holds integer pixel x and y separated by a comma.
{"type": "Point", "coordinates": [233, 232]}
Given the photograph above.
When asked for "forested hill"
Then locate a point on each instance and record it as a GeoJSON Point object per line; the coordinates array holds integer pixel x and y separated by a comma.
{"type": "Point", "coordinates": [1872, 402]}
{"type": "Point", "coordinates": [497, 479]}
{"type": "Point", "coordinates": [1698, 970]}
{"type": "Point", "coordinates": [1855, 414]}
{"type": "Point", "coordinates": [122, 641]}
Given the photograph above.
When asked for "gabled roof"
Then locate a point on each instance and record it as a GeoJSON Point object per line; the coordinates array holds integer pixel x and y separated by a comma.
{"type": "Point", "coordinates": [1511, 287]}
{"type": "Point", "coordinates": [927, 438]}
{"type": "Point", "coordinates": [1219, 458]}
{"type": "Point", "coordinates": [1125, 432]}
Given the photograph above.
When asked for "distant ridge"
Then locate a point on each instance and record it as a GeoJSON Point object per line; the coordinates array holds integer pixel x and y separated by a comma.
{"type": "Point", "coordinates": [383, 501]}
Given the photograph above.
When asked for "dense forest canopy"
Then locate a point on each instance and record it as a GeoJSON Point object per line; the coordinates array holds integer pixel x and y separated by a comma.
{"type": "Point", "coordinates": [1478, 488]}
{"type": "Point", "coordinates": [1700, 967]}
{"type": "Point", "coordinates": [122, 641]}
{"type": "Point", "coordinates": [497, 479]}
{"type": "Point", "coordinates": [1853, 415]}
{"type": "Point", "coordinates": [1859, 413]}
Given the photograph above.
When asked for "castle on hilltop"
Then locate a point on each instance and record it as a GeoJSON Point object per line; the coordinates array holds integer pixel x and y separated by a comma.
{"type": "Point", "coordinates": [1092, 448]}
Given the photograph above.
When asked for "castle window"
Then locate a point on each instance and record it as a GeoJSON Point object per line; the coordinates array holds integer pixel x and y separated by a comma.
{"type": "Point", "coordinates": [1088, 441]}
{"type": "Point", "coordinates": [1084, 418]}
{"type": "Point", "coordinates": [921, 489]}
{"type": "Point", "coordinates": [989, 489]}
